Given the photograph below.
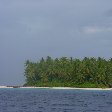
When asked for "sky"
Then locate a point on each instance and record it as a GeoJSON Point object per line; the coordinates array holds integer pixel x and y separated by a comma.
{"type": "Point", "coordinates": [31, 29]}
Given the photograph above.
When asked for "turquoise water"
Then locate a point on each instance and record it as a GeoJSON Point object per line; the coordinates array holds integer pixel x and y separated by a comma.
{"type": "Point", "coordinates": [52, 100]}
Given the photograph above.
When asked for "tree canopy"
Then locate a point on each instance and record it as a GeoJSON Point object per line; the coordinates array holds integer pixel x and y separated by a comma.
{"type": "Point", "coordinates": [69, 72]}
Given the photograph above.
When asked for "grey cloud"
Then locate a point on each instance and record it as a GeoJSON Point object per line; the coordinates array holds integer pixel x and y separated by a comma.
{"type": "Point", "coordinates": [108, 13]}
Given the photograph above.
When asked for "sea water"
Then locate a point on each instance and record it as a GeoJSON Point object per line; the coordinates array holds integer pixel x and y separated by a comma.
{"type": "Point", "coordinates": [55, 100]}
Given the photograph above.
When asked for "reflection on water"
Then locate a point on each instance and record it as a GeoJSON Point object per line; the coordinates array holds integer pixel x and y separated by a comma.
{"type": "Point", "coordinates": [50, 100]}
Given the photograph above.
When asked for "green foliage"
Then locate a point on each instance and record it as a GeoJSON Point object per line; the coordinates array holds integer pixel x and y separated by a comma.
{"type": "Point", "coordinates": [69, 72]}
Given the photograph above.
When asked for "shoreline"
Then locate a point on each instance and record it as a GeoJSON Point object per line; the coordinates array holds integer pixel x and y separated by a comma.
{"type": "Point", "coordinates": [28, 87]}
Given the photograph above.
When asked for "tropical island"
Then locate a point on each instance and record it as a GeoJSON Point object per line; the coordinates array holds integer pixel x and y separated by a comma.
{"type": "Point", "coordinates": [69, 72]}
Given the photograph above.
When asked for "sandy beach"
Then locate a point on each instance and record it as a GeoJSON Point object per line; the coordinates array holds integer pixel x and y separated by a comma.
{"type": "Point", "coordinates": [5, 87]}
{"type": "Point", "coordinates": [58, 88]}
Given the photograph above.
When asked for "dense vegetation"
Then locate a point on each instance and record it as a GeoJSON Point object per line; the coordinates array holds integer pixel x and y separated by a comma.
{"type": "Point", "coordinates": [86, 72]}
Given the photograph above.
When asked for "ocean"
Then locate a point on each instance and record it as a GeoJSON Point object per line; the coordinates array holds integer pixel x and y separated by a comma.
{"type": "Point", "coordinates": [54, 100]}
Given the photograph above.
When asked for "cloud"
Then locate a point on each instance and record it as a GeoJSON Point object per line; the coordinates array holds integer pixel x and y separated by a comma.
{"type": "Point", "coordinates": [109, 13]}
{"type": "Point", "coordinates": [96, 29]}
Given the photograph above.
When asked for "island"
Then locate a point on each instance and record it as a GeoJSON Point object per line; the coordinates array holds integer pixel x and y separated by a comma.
{"type": "Point", "coordinates": [88, 72]}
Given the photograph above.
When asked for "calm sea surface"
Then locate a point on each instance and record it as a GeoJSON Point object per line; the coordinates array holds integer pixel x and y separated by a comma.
{"type": "Point", "coordinates": [51, 100]}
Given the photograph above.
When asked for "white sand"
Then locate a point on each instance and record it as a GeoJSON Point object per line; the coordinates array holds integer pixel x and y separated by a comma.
{"type": "Point", "coordinates": [61, 88]}
{"type": "Point", "coordinates": [35, 87]}
{"type": "Point", "coordinates": [82, 88]}
{"type": "Point", "coordinates": [5, 87]}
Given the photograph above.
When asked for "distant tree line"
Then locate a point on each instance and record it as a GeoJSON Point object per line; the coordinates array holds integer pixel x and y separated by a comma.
{"type": "Point", "coordinates": [72, 72]}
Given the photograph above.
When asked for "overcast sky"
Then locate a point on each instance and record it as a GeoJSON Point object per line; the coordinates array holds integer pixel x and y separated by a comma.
{"type": "Point", "coordinates": [31, 29]}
